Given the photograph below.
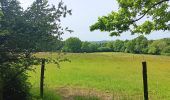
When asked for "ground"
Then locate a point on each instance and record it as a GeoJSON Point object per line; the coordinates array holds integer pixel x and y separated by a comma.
{"type": "Point", "coordinates": [105, 76]}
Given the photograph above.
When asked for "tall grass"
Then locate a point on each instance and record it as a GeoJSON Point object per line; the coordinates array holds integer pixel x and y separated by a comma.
{"type": "Point", "coordinates": [118, 73]}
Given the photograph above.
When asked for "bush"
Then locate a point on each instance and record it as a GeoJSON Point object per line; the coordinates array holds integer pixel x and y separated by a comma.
{"type": "Point", "coordinates": [18, 89]}
{"type": "Point", "coordinates": [15, 88]}
{"type": "Point", "coordinates": [13, 74]}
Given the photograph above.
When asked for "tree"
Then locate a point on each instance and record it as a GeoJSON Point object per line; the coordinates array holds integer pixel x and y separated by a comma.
{"type": "Point", "coordinates": [157, 46]}
{"type": "Point", "coordinates": [118, 46]}
{"type": "Point", "coordinates": [53, 45]}
{"type": "Point", "coordinates": [130, 12]}
{"type": "Point", "coordinates": [130, 46]}
{"type": "Point", "coordinates": [21, 32]}
{"type": "Point", "coordinates": [153, 50]}
{"type": "Point", "coordinates": [12, 62]}
{"type": "Point", "coordinates": [166, 50]}
{"type": "Point", "coordinates": [110, 45]}
{"type": "Point", "coordinates": [72, 44]}
{"type": "Point", "coordinates": [141, 44]}
{"type": "Point", "coordinates": [85, 47]}
{"type": "Point", "coordinates": [104, 49]}
{"type": "Point", "coordinates": [93, 47]}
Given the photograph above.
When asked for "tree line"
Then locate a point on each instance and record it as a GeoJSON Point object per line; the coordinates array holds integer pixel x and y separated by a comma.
{"type": "Point", "coordinates": [139, 45]}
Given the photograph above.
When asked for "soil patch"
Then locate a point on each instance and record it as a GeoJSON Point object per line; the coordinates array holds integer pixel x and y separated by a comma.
{"type": "Point", "coordinates": [68, 93]}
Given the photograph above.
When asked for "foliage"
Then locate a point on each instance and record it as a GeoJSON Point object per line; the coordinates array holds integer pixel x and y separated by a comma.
{"type": "Point", "coordinates": [129, 14]}
{"type": "Point", "coordinates": [104, 49]}
{"type": "Point", "coordinates": [166, 49]}
{"type": "Point", "coordinates": [93, 47]}
{"type": "Point", "coordinates": [53, 45]}
{"type": "Point", "coordinates": [130, 46]}
{"type": "Point", "coordinates": [85, 47]}
{"type": "Point", "coordinates": [139, 45]}
{"type": "Point", "coordinates": [47, 29]}
{"type": "Point", "coordinates": [21, 34]}
{"type": "Point", "coordinates": [13, 67]}
{"type": "Point", "coordinates": [118, 46]}
{"type": "Point", "coordinates": [110, 45]}
{"type": "Point", "coordinates": [157, 46]}
{"type": "Point", "coordinates": [72, 44]}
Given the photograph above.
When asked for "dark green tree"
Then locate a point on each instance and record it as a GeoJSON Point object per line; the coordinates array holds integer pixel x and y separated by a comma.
{"type": "Point", "coordinates": [21, 32]}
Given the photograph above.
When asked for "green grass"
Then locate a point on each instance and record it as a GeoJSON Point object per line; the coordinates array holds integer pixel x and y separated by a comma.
{"type": "Point", "coordinates": [48, 94]}
{"type": "Point", "coordinates": [118, 73]}
{"type": "Point", "coordinates": [85, 98]}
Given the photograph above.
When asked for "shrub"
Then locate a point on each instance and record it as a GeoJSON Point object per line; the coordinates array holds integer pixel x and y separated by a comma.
{"type": "Point", "coordinates": [18, 89]}
{"type": "Point", "coordinates": [14, 81]}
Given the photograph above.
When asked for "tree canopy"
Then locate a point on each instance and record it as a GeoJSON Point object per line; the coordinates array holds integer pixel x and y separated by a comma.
{"type": "Point", "coordinates": [156, 13]}
{"type": "Point", "coordinates": [72, 44]}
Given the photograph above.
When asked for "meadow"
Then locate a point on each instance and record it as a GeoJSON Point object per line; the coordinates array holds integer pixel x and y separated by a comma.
{"type": "Point", "coordinates": [103, 76]}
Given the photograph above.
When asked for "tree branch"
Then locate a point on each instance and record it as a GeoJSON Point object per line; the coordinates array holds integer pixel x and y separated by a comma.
{"type": "Point", "coordinates": [149, 10]}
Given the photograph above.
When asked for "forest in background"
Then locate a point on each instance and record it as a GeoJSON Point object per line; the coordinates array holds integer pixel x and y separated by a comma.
{"type": "Point", "coordinates": [139, 45]}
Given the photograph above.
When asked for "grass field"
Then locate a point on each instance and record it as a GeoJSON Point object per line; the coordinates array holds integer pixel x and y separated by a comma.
{"type": "Point", "coordinates": [111, 74]}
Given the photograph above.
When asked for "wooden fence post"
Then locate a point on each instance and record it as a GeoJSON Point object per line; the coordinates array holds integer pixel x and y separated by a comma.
{"type": "Point", "coordinates": [42, 78]}
{"type": "Point", "coordinates": [145, 81]}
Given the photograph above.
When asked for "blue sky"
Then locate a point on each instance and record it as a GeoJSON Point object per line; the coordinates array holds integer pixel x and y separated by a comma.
{"type": "Point", "coordinates": [85, 13]}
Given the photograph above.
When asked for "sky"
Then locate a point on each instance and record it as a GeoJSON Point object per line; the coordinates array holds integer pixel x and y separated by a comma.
{"type": "Point", "coordinates": [86, 13]}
